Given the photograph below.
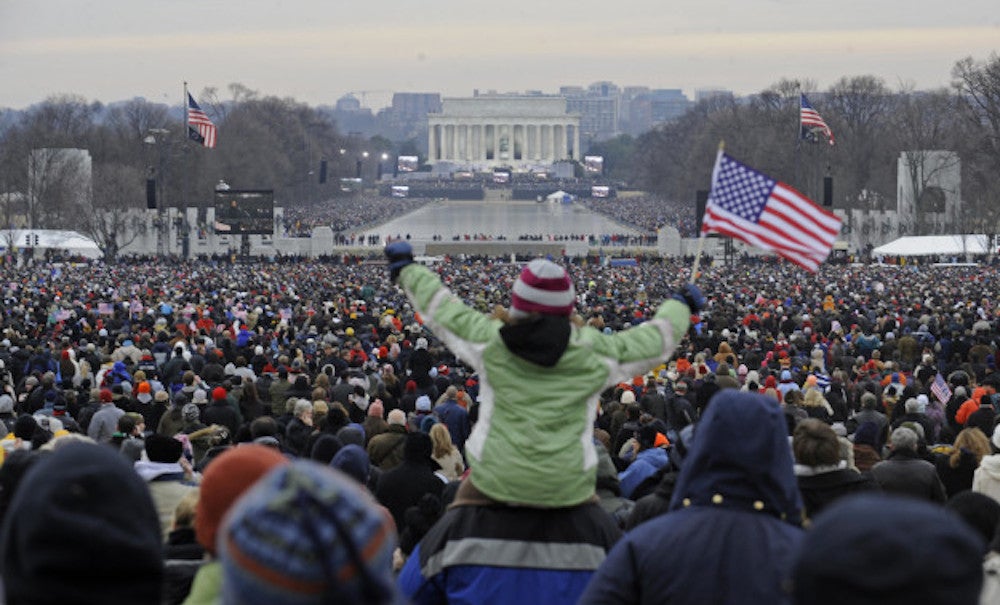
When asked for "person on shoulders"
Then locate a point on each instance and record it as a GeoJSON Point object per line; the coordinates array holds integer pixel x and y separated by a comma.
{"type": "Point", "coordinates": [535, 365]}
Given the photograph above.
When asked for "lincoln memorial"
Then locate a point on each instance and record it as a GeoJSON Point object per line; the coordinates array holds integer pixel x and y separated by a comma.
{"type": "Point", "coordinates": [488, 131]}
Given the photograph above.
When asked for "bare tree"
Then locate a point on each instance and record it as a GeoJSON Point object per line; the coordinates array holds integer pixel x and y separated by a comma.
{"type": "Point", "coordinates": [59, 182]}
{"type": "Point", "coordinates": [978, 86]}
{"type": "Point", "coordinates": [114, 216]}
{"type": "Point", "coordinates": [858, 110]}
{"type": "Point", "coordinates": [126, 127]}
{"type": "Point", "coordinates": [14, 152]}
{"type": "Point", "coordinates": [924, 128]}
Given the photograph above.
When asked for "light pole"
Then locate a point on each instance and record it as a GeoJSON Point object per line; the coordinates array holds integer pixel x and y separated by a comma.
{"type": "Point", "coordinates": [157, 137]}
{"type": "Point", "coordinates": [360, 167]}
{"type": "Point", "coordinates": [381, 165]}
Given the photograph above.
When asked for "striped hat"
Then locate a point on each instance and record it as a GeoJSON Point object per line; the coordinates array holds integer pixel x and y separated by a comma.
{"type": "Point", "coordinates": [543, 287]}
{"type": "Point", "coordinates": [306, 534]}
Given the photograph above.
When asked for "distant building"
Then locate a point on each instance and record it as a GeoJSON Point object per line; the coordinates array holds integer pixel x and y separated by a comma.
{"type": "Point", "coordinates": [928, 202]}
{"type": "Point", "coordinates": [406, 118]}
{"type": "Point", "coordinates": [350, 116]}
{"type": "Point", "coordinates": [348, 103]}
{"type": "Point", "coordinates": [605, 111]}
{"type": "Point", "coordinates": [644, 109]}
{"type": "Point", "coordinates": [929, 193]}
{"type": "Point", "coordinates": [598, 106]}
{"type": "Point", "coordinates": [487, 131]}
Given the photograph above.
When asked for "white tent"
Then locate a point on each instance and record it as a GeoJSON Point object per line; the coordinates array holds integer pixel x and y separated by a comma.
{"type": "Point", "coordinates": [559, 197]}
{"type": "Point", "coordinates": [926, 245]}
{"type": "Point", "coordinates": [70, 241]}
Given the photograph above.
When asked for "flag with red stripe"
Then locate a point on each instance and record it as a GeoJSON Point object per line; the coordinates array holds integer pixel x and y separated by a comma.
{"type": "Point", "coordinates": [940, 389]}
{"type": "Point", "coordinates": [200, 128]}
{"type": "Point", "coordinates": [754, 208]}
{"type": "Point", "coordinates": [812, 125]}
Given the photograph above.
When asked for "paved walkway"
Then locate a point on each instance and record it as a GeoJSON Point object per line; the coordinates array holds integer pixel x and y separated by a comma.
{"type": "Point", "coordinates": [510, 219]}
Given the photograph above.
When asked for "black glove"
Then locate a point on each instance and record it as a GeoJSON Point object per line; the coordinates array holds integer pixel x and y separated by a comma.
{"type": "Point", "coordinates": [691, 296]}
{"type": "Point", "coordinates": [399, 254]}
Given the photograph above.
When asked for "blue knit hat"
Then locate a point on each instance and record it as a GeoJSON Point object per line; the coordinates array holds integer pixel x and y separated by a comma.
{"type": "Point", "coordinates": [306, 534]}
{"type": "Point", "coordinates": [353, 460]}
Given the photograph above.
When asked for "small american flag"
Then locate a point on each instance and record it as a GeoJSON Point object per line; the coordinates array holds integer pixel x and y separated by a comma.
{"type": "Point", "coordinates": [811, 123]}
{"type": "Point", "coordinates": [754, 208]}
{"type": "Point", "coordinates": [200, 128]}
{"type": "Point", "coordinates": [940, 389]}
{"type": "Point", "coordinates": [105, 308]}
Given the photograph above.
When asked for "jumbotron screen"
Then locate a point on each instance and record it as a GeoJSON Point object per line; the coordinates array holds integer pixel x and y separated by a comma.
{"type": "Point", "coordinates": [593, 164]}
{"type": "Point", "coordinates": [244, 212]}
{"type": "Point", "coordinates": [407, 163]}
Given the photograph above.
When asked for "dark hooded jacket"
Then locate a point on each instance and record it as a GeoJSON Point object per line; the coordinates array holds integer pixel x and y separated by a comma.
{"type": "Point", "coordinates": [734, 518]}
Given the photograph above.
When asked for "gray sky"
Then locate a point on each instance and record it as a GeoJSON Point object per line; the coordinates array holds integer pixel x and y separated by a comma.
{"type": "Point", "coordinates": [314, 52]}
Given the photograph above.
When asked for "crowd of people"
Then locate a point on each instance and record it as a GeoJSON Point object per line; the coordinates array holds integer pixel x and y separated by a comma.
{"type": "Point", "coordinates": [646, 213]}
{"type": "Point", "coordinates": [346, 215]}
{"type": "Point", "coordinates": [594, 240]}
{"type": "Point", "coordinates": [285, 432]}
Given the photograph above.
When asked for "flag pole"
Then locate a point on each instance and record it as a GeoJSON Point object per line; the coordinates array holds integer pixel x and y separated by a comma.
{"type": "Point", "coordinates": [798, 140]}
{"type": "Point", "coordinates": [185, 153]}
{"type": "Point", "coordinates": [701, 235]}
{"type": "Point", "coordinates": [697, 258]}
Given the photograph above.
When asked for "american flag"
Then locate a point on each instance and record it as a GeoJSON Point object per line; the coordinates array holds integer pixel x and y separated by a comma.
{"type": "Point", "coordinates": [200, 128]}
{"type": "Point", "coordinates": [940, 389]}
{"type": "Point", "coordinates": [811, 123]}
{"type": "Point", "coordinates": [754, 208]}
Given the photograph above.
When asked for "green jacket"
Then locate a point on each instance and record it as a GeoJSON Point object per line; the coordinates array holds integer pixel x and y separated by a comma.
{"type": "Point", "coordinates": [207, 586]}
{"type": "Point", "coordinates": [539, 387]}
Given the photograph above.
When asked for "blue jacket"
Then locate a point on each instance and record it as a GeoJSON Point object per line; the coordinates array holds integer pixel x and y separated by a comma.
{"type": "Point", "coordinates": [456, 418]}
{"type": "Point", "coordinates": [733, 522]}
{"type": "Point", "coordinates": [646, 464]}
{"type": "Point", "coordinates": [485, 555]}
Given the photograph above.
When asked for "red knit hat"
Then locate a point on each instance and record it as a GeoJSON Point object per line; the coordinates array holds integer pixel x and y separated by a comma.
{"type": "Point", "coordinates": [224, 481]}
{"type": "Point", "coordinates": [218, 393]}
{"type": "Point", "coordinates": [543, 287]}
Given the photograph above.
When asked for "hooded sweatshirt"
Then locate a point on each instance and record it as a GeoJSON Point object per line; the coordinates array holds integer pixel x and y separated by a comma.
{"type": "Point", "coordinates": [986, 479]}
{"type": "Point", "coordinates": [735, 507]}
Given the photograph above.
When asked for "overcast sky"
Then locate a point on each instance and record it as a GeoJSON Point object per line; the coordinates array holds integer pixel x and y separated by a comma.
{"type": "Point", "coordinates": [316, 51]}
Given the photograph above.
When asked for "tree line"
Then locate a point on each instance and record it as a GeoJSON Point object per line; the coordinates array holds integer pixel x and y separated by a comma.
{"type": "Point", "coordinates": [267, 142]}
{"type": "Point", "coordinates": [873, 125]}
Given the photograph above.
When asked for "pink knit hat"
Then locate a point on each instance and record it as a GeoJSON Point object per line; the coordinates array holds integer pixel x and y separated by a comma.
{"type": "Point", "coordinates": [543, 287]}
